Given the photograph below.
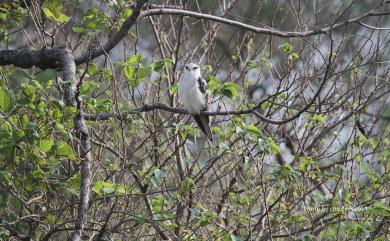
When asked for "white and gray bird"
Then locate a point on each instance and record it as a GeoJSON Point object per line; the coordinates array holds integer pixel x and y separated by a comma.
{"type": "Point", "coordinates": [195, 97]}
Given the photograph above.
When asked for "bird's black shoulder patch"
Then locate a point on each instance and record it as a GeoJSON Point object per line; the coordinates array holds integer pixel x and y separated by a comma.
{"type": "Point", "coordinates": [202, 85]}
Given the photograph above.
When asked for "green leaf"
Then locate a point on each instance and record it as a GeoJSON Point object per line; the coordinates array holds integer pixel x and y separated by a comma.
{"type": "Point", "coordinates": [45, 145]}
{"type": "Point", "coordinates": [5, 100]}
{"type": "Point", "coordinates": [88, 87]}
{"type": "Point", "coordinates": [144, 71]}
{"type": "Point", "coordinates": [187, 185]}
{"type": "Point", "coordinates": [129, 72]}
{"type": "Point", "coordinates": [213, 83]}
{"type": "Point", "coordinates": [307, 237]}
{"type": "Point", "coordinates": [274, 147]}
{"type": "Point", "coordinates": [319, 118]}
{"type": "Point", "coordinates": [286, 47]}
{"type": "Point", "coordinates": [294, 56]}
{"type": "Point", "coordinates": [173, 89]}
{"type": "Point", "coordinates": [253, 129]}
{"type": "Point", "coordinates": [208, 68]}
{"type": "Point", "coordinates": [139, 219]}
{"type": "Point", "coordinates": [77, 29]}
{"type": "Point", "coordinates": [230, 90]}
{"type": "Point", "coordinates": [159, 65]}
{"type": "Point", "coordinates": [53, 10]}
{"type": "Point", "coordinates": [127, 12]}
{"type": "Point", "coordinates": [103, 188]}
{"type": "Point", "coordinates": [158, 203]}
{"type": "Point", "coordinates": [64, 149]}
{"type": "Point", "coordinates": [92, 69]}
{"type": "Point", "coordinates": [304, 163]}
{"type": "Point", "coordinates": [29, 92]}
{"type": "Point", "coordinates": [59, 19]}
{"type": "Point", "coordinates": [158, 174]}
{"type": "Point", "coordinates": [46, 75]}
{"type": "Point", "coordinates": [21, 74]}
{"type": "Point", "coordinates": [380, 209]}
{"type": "Point", "coordinates": [135, 59]}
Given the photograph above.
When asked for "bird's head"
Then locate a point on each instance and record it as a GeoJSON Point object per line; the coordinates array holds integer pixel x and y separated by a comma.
{"type": "Point", "coordinates": [192, 68]}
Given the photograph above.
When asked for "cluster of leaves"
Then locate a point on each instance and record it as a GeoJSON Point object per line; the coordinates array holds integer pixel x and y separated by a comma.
{"type": "Point", "coordinates": [227, 89]}
{"type": "Point", "coordinates": [35, 139]}
{"type": "Point", "coordinates": [136, 72]}
{"type": "Point", "coordinates": [53, 10]}
{"type": "Point", "coordinates": [288, 48]}
{"type": "Point", "coordinates": [11, 14]}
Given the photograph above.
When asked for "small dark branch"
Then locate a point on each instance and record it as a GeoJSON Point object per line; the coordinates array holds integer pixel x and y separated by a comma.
{"type": "Point", "coordinates": [116, 38]}
{"type": "Point", "coordinates": [385, 223]}
{"type": "Point", "coordinates": [99, 236]}
{"type": "Point", "coordinates": [222, 207]}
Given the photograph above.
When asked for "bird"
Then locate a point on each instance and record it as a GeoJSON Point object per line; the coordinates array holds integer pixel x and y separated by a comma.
{"type": "Point", "coordinates": [195, 97]}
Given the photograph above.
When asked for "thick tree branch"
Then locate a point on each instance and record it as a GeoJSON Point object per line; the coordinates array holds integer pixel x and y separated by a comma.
{"type": "Point", "coordinates": [86, 158]}
{"type": "Point", "coordinates": [268, 30]}
{"type": "Point", "coordinates": [25, 58]}
{"type": "Point", "coordinates": [68, 67]}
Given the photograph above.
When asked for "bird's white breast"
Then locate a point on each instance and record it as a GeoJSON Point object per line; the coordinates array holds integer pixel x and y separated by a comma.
{"type": "Point", "coordinates": [189, 94]}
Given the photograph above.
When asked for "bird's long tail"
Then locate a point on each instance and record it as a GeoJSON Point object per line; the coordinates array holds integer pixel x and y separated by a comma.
{"type": "Point", "coordinates": [203, 123]}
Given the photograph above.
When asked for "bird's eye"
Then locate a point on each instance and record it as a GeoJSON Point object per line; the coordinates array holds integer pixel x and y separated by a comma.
{"type": "Point", "coordinates": [187, 68]}
{"type": "Point", "coordinates": [195, 68]}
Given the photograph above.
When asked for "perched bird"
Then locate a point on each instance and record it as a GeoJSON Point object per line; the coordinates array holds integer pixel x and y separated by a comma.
{"type": "Point", "coordinates": [194, 96]}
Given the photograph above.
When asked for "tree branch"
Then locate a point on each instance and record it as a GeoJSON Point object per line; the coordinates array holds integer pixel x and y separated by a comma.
{"type": "Point", "coordinates": [25, 58]}
{"type": "Point", "coordinates": [162, 106]}
{"type": "Point", "coordinates": [268, 30]}
{"type": "Point", "coordinates": [68, 67]}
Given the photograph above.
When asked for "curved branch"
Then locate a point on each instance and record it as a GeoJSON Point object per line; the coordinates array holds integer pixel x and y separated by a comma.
{"type": "Point", "coordinates": [372, 27]}
{"type": "Point", "coordinates": [268, 30]}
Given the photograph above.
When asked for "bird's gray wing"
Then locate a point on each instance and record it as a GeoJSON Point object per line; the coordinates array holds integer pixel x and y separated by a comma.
{"type": "Point", "coordinates": [202, 120]}
{"type": "Point", "coordinates": [202, 85]}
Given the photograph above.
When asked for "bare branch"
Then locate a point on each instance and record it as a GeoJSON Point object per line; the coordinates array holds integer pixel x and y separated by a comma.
{"type": "Point", "coordinates": [268, 30]}
{"type": "Point", "coordinates": [372, 27]}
